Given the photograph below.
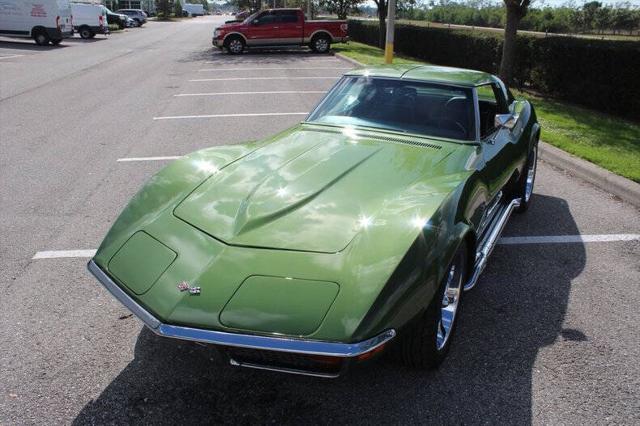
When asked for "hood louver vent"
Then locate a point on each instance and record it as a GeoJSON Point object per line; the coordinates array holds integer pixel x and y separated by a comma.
{"type": "Point", "coordinates": [363, 135]}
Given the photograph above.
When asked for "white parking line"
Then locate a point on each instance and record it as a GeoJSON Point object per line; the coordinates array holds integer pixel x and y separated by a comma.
{"type": "Point", "coordinates": [264, 114]}
{"type": "Point", "coordinates": [561, 239]}
{"type": "Point", "coordinates": [549, 239]}
{"type": "Point", "coordinates": [10, 56]}
{"type": "Point", "coordinates": [264, 78]}
{"type": "Point", "coordinates": [56, 254]}
{"type": "Point", "coordinates": [171, 157]}
{"type": "Point", "coordinates": [278, 92]}
{"type": "Point", "coordinates": [272, 68]}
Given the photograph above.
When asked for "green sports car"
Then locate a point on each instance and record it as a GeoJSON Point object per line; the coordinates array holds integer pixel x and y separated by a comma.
{"type": "Point", "coordinates": [353, 233]}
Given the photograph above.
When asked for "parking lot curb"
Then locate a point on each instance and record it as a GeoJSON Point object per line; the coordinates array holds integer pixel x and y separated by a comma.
{"type": "Point", "coordinates": [350, 60]}
{"type": "Point", "coordinates": [622, 188]}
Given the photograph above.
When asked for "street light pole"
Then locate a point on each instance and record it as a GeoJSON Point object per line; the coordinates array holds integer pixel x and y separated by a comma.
{"type": "Point", "coordinates": [391, 21]}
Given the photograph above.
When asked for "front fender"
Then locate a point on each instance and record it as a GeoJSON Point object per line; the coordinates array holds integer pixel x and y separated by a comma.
{"type": "Point", "coordinates": [164, 190]}
{"type": "Point", "coordinates": [417, 276]}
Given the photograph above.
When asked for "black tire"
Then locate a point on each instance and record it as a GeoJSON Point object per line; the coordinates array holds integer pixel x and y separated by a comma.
{"type": "Point", "coordinates": [85, 33]}
{"type": "Point", "coordinates": [524, 187]}
{"type": "Point", "coordinates": [234, 45]}
{"type": "Point", "coordinates": [41, 38]}
{"type": "Point", "coordinates": [418, 345]}
{"type": "Point", "coordinates": [321, 43]}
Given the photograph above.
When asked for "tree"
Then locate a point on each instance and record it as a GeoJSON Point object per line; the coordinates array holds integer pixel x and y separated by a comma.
{"type": "Point", "coordinates": [340, 7]}
{"type": "Point", "coordinates": [589, 13]}
{"type": "Point", "coordinates": [382, 14]}
{"type": "Point", "coordinates": [516, 10]}
{"type": "Point", "coordinates": [602, 20]}
{"type": "Point", "coordinates": [177, 8]}
{"type": "Point", "coordinates": [205, 4]}
{"type": "Point", "coordinates": [164, 8]}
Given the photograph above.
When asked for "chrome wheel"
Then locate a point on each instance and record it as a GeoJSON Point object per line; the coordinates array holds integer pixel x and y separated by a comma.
{"type": "Point", "coordinates": [531, 173]}
{"type": "Point", "coordinates": [321, 45]}
{"type": "Point", "coordinates": [235, 46]}
{"type": "Point", "coordinates": [450, 303]}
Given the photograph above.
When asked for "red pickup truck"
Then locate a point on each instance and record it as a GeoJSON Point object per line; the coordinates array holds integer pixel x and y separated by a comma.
{"type": "Point", "coordinates": [279, 27]}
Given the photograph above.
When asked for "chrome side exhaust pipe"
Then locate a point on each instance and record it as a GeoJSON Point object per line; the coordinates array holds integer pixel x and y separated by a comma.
{"type": "Point", "coordinates": [489, 242]}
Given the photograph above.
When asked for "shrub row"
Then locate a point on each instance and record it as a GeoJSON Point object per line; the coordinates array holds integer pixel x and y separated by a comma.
{"type": "Point", "coordinates": [600, 74]}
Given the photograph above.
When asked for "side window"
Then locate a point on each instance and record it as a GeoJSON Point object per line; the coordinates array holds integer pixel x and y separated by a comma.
{"type": "Point", "coordinates": [287, 16]}
{"type": "Point", "coordinates": [267, 18]}
{"type": "Point", "coordinates": [491, 101]}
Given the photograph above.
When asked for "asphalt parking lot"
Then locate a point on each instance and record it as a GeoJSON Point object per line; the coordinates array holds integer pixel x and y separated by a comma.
{"type": "Point", "coordinates": [550, 335]}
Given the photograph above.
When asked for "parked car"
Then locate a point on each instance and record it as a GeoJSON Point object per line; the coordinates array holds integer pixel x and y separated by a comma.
{"type": "Point", "coordinates": [46, 21]}
{"type": "Point", "coordinates": [279, 27]}
{"type": "Point", "coordinates": [131, 23]}
{"type": "Point", "coordinates": [89, 19]}
{"type": "Point", "coordinates": [352, 233]}
{"type": "Point", "coordinates": [116, 19]}
{"type": "Point", "coordinates": [137, 15]}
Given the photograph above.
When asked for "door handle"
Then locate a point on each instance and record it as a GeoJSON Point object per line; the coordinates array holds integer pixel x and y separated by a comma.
{"type": "Point", "coordinates": [276, 28]}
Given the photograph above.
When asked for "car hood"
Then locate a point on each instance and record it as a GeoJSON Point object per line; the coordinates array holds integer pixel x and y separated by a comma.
{"type": "Point", "coordinates": [313, 188]}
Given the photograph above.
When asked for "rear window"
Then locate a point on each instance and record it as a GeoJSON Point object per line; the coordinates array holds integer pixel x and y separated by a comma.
{"type": "Point", "coordinates": [428, 109]}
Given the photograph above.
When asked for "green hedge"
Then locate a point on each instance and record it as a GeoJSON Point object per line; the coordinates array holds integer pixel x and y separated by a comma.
{"type": "Point", "coordinates": [600, 74]}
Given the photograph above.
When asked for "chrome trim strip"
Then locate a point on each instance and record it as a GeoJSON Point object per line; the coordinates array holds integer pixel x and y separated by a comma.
{"type": "Point", "coordinates": [283, 369]}
{"type": "Point", "coordinates": [148, 319]}
{"type": "Point", "coordinates": [279, 344]}
{"type": "Point", "coordinates": [476, 105]}
{"type": "Point", "coordinates": [489, 243]}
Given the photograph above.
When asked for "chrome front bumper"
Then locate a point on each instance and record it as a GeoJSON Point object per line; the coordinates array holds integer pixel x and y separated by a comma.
{"type": "Point", "coordinates": [278, 344]}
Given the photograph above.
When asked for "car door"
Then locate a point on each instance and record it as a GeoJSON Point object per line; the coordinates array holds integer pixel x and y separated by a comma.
{"type": "Point", "coordinates": [289, 27]}
{"type": "Point", "coordinates": [500, 153]}
{"type": "Point", "coordinates": [262, 29]}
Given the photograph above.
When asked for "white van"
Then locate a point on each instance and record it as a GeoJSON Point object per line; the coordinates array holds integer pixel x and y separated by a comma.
{"type": "Point", "coordinates": [46, 21]}
{"type": "Point", "coordinates": [89, 19]}
{"type": "Point", "coordinates": [193, 9]}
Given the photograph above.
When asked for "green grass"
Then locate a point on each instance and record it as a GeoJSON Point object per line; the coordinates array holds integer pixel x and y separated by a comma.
{"type": "Point", "coordinates": [369, 55]}
{"type": "Point", "coordinates": [610, 142]}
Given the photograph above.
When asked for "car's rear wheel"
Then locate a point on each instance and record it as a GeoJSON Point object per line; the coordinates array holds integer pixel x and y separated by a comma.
{"type": "Point", "coordinates": [234, 45]}
{"type": "Point", "coordinates": [426, 341]}
{"type": "Point", "coordinates": [321, 44]}
{"type": "Point", "coordinates": [41, 38]}
{"type": "Point", "coordinates": [527, 180]}
{"type": "Point", "coordinates": [85, 33]}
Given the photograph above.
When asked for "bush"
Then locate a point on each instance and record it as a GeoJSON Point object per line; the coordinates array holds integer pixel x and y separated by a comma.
{"type": "Point", "coordinates": [596, 73]}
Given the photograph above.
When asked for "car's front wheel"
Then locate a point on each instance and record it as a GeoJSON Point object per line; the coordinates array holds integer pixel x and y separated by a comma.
{"type": "Point", "coordinates": [234, 45]}
{"type": "Point", "coordinates": [425, 342]}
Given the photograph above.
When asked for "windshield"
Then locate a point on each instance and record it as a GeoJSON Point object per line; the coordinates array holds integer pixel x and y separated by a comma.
{"type": "Point", "coordinates": [428, 109]}
{"type": "Point", "coordinates": [250, 17]}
